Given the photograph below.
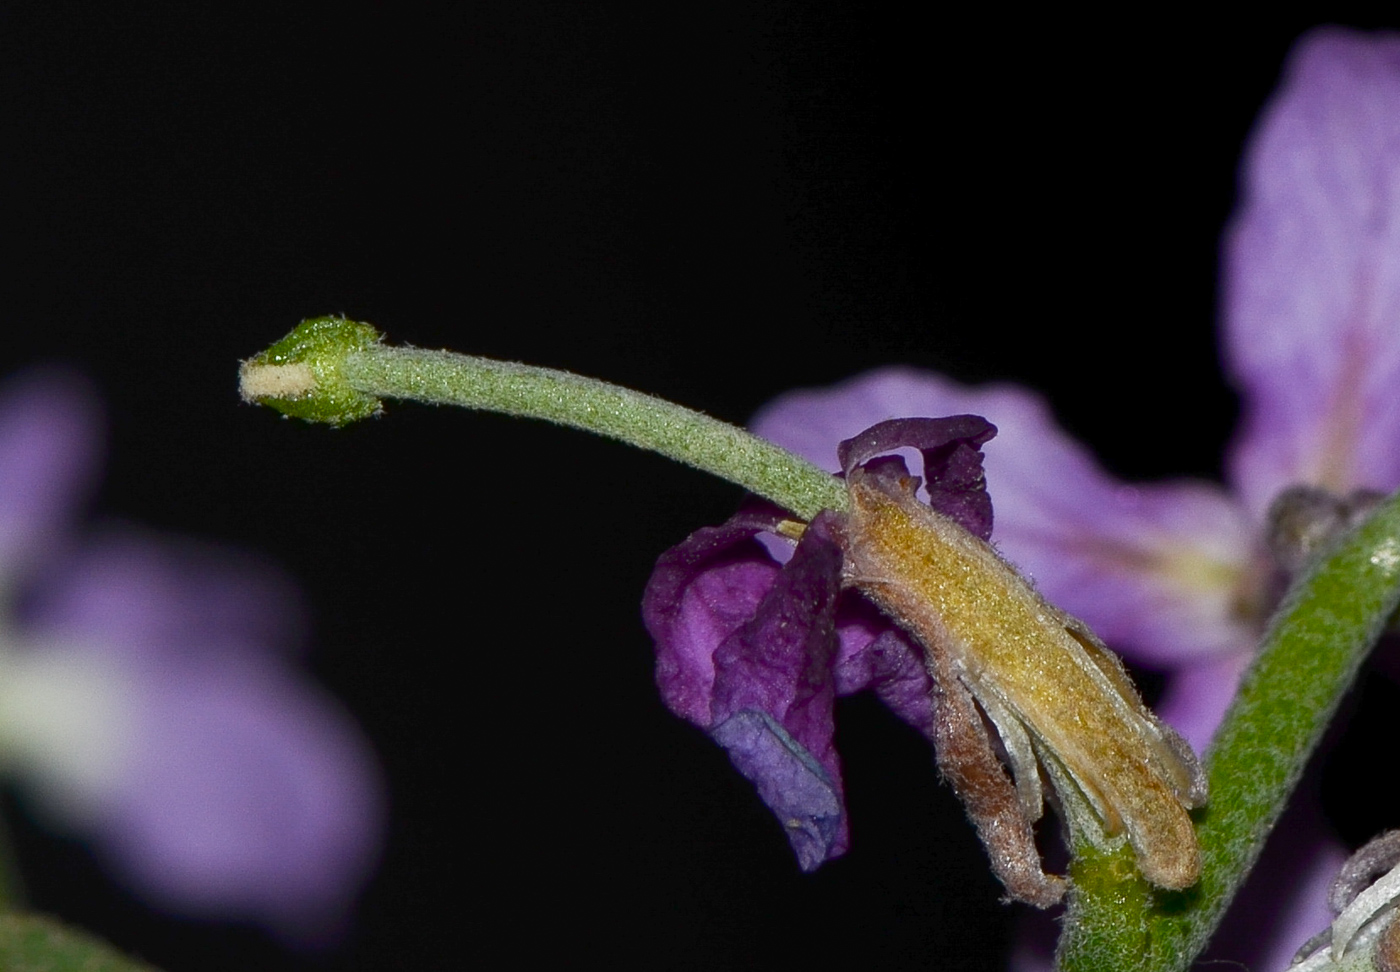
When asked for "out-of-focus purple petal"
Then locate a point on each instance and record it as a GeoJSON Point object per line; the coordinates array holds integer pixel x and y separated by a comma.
{"type": "Point", "coordinates": [244, 791]}
{"type": "Point", "coordinates": [1198, 695]}
{"type": "Point", "coordinates": [952, 451]}
{"type": "Point", "coordinates": [777, 669]}
{"type": "Point", "coordinates": [699, 593]}
{"type": "Point", "coordinates": [1303, 911]}
{"type": "Point", "coordinates": [1284, 900]}
{"type": "Point", "coordinates": [1155, 570]}
{"type": "Point", "coordinates": [50, 447]}
{"type": "Point", "coordinates": [153, 599]}
{"type": "Point", "coordinates": [251, 795]}
{"type": "Point", "coordinates": [1312, 275]}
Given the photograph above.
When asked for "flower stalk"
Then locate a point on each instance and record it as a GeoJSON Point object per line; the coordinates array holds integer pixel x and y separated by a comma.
{"type": "Point", "coordinates": [1309, 658]}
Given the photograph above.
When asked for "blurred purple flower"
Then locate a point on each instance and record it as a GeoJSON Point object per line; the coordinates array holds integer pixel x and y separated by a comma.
{"type": "Point", "coordinates": [148, 703]}
{"type": "Point", "coordinates": [1177, 575]}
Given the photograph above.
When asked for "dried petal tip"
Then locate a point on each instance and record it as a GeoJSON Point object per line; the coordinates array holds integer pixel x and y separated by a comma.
{"type": "Point", "coordinates": [300, 375]}
{"type": "Point", "coordinates": [952, 451]}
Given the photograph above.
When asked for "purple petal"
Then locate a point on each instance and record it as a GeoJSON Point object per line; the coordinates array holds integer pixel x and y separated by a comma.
{"type": "Point", "coordinates": [745, 649]}
{"type": "Point", "coordinates": [805, 798]}
{"type": "Point", "coordinates": [245, 791]}
{"type": "Point", "coordinates": [155, 599]}
{"type": "Point", "coordinates": [1284, 900]}
{"type": "Point", "coordinates": [50, 445]}
{"type": "Point", "coordinates": [757, 654]}
{"type": "Point", "coordinates": [876, 655]}
{"type": "Point", "coordinates": [1157, 570]}
{"type": "Point", "coordinates": [775, 672]}
{"type": "Point", "coordinates": [780, 660]}
{"type": "Point", "coordinates": [1198, 695]}
{"type": "Point", "coordinates": [952, 451]}
{"type": "Point", "coordinates": [1312, 275]}
{"type": "Point", "coordinates": [252, 796]}
{"type": "Point", "coordinates": [699, 593]}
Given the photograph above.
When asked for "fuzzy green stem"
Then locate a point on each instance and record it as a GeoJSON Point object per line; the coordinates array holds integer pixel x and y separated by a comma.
{"type": "Point", "coordinates": [333, 370]}
{"type": "Point", "coordinates": [1309, 659]}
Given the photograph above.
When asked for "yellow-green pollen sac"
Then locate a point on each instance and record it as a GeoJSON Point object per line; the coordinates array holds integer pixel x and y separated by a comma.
{"type": "Point", "coordinates": [1052, 690]}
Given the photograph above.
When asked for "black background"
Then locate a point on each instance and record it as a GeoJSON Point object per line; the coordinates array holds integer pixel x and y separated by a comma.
{"type": "Point", "coordinates": [713, 202]}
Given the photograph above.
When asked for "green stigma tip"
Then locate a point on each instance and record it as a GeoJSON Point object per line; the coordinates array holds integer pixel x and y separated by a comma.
{"type": "Point", "coordinates": [300, 375]}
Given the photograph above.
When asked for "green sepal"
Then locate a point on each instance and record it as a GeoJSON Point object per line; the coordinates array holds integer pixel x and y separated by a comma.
{"type": "Point", "coordinates": [300, 375]}
{"type": "Point", "coordinates": [37, 943]}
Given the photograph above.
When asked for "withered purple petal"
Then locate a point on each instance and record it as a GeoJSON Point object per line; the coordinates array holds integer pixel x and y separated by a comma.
{"type": "Point", "coordinates": [952, 451]}
{"type": "Point", "coordinates": [888, 664]}
{"type": "Point", "coordinates": [756, 652]}
{"type": "Point", "coordinates": [802, 795]}
{"type": "Point", "coordinates": [777, 668]}
{"type": "Point", "coordinates": [781, 658]}
{"type": "Point", "coordinates": [700, 591]}
{"type": "Point", "coordinates": [930, 436]}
